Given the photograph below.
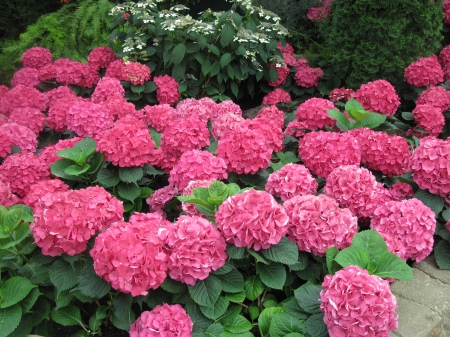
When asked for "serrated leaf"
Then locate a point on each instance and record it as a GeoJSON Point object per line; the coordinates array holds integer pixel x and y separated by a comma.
{"type": "Point", "coordinates": [75, 170]}
{"type": "Point", "coordinates": [41, 310]}
{"type": "Point", "coordinates": [217, 309]}
{"type": "Point", "coordinates": [370, 241]}
{"type": "Point", "coordinates": [390, 265]}
{"type": "Point", "coordinates": [9, 319]}
{"type": "Point", "coordinates": [315, 326]}
{"type": "Point", "coordinates": [206, 292]}
{"type": "Point", "coordinates": [86, 146]}
{"type": "Point", "coordinates": [178, 53]}
{"type": "Point", "coordinates": [201, 323]}
{"type": "Point", "coordinates": [292, 308]}
{"type": "Point", "coordinates": [24, 328]}
{"type": "Point", "coordinates": [122, 308]}
{"type": "Point", "coordinates": [353, 104]}
{"type": "Point", "coordinates": [283, 324]}
{"type": "Point", "coordinates": [232, 282]}
{"type": "Point", "coordinates": [156, 137]}
{"type": "Point", "coordinates": [265, 318]}
{"type": "Point", "coordinates": [14, 290]}
{"type": "Point", "coordinates": [63, 298]}
{"type": "Point", "coordinates": [353, 256]}
{"type": "Point", "coordinates": [173, 286]}
{"type": "Point", "coordinates": [214, 330]}
{"type": "Point", "coordinates": [285, 252]}
{"type": "Point", "coordinates": [253, 311]}
{"type": "Point", "coordinates": [253, 287]}
{"type": "Point", "coordinates": [344, 123]}
{"type": "Point", "coordinates": [442, 254]}
{"type": "Point", "coordinates": [72, 155]}
{"type": "Point", "coordinates": [95, 162]}
{"type": "Point", "coordinates": [28, 302]}
{"type": "Point", "coordinates": [240, 324]}
{"type": "Point", "coordinates": [371, 122]}
{"type": "Point", "coordinates": [307, 297]}
{"type": "Point", "coordinates": [63, 276]}
{"type": "Point", "coordinates": [92, 285]}
{"type": "Point", "coordinates": [107, 178]}
{"type": "Point", "coordinates": [12, 219]}
{"type": "Point", "coordinates": [131, 174]}
{"type": "Point", "coordinates": [258, 257]}
{"type": "Point", "coordinates": [58, 167]}
{"type": "Point", "coordinates": [433, 201]}
{"type": "Point", "coordinates": [236, 253]}
{"type": "Point", "coordinates": [67, 316]}
{"type": "Point", "coordinates": [332, 266]}
{"type": "Point", "coordinates": [128, 191]}
{"type": "Point", "coordinates": [236, 297]}
{"type": "Point", "coordinates": [227, 34]}
{"type": "Point", "coordinates": [272, 275]}
{"type": "Point", "coordinates": [137, 88]}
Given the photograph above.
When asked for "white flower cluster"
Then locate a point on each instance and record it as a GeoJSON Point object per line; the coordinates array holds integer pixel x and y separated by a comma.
{"type": "Point", "coordinates": [133, 43]}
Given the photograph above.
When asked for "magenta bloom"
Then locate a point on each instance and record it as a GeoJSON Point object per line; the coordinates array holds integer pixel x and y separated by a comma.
{"type": "Point", "coordinates": [5, 144]}
{"type": "Point", "coordinates": [197, 248]}
{"type": "Point", "coordinates": [49, 156]}
{"type": "Point", "coordinates": [37, 57]}
{"type": "Point", "coordinates": [22, 96]}
{"type": "Point", "coordinates": [354, 188]}
{"type": "Point", "coordinates": [167, 92]}
{"type": "Point", "coordinates": [158, 199]}
{"type": "Point", "coordinates": [426, 71]}
{"type": "Point", "coordinates": [7, 198]}
{"type": "Point", "coordinates": [320, 13]}
{"type": "Point", "coordinates": [313, 112]}
{"type": "Point", "coordinates": [32, 118]}
{"type": "Point", "coordinates": [225, 122]}
{"type": "Point", "coordinates": [290, 181]}
{"type": "Point", "coordinates": [101, 57]}
{"type": "Point", "coordinates": [119, 107]}
{"type": "Point", "coordinates": [159, 116]}
{"type": "Point", "coordinates": [26, 76]}
{"type": "Point", "coordinates": [400, 191]}
{"type": "Point", "coordinates": [272, 113]}
{"type": "Point", "coordinates": [407, 226]}
{"type": "Point", "coordinates": [43, 187]}
{"type": "Point", "coordinates": [378, 96]}
{"type": "Point", "coordinates": [357, 304]}
{"type": "Point", "coordinates": [277, 96]}
{"type": "Point", "coordinates": [321, 152]}
{"type": "Point", "coordinates": [196, 165]}
{"type": "Point", "coordinates": [60, 93]}
{"type": "Point", "coordinates": [270, 128]}
{"type": "Point", "coordinates": [77, 73]}
{"type": "Point", "coordinates": [88, 119]}
{"type": "Point", "coordinates": [283, 73]}
{"type": "Point", "coordinates": [316, 223]}
{"type": "Point", "coordinates": [191, 107]}
{"type": "Point", "coordinates": [341, 94]}
{"type": "Point", "coordinates": [106, 89]}
{"type": "Point", "coordinates": [225, 107]}
{"type": "Point", "coordinates": [435, 96]}
{"type": "Point", "coordinates": [115, 69]}
{"type": "Point", "coordinates": [163, 320]}
{"type": "Point", "coordinates": [21, 136]}
{"type": "Point", "coordinates": [136, 73]}
{"type": "Point", "coordinates": [65, 221]}
{"type": "Point", "coordinates": [47, 73]}
{"type": "Point", "coordinates": [308, 77]}
{"type": "Point", "coordinates": [252, 219]}
{"type": "Point", "coordinates": [429, 118]}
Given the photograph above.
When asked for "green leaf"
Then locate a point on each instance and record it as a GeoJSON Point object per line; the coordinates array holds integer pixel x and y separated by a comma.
{"type": "Point", "coordinates": [236, 19]}
{"type": "Point", "coordinates": [407, 116]}
{"type": "Point", "coordinates": [234, 88]}
{"type": "Point", "coordinates": [12, 219]}
{"type": "Point", "coordinates": [150, 86]}
{"type": "Point", "coordinates": [217, 309]}
{"type": "Point", "coordinates": [240, 324]}
{"type": "Point", "coordinates": [67, 316]}
{"type": "Point", "coordinates": [214, 49]}
{"type": "Point", "coordinates": [214, 330]}
{"type": "Point", "coordinates": [253, 287]}
{"type": "Point", "coordinates": [206, 292]}
{"type": "Point", "coordinates": [258, 257]}
{"type": "Point", "coordinates": [72, 155]}
{"type": "Point", "coordinates": [58, 167]}
{"type": "Point", "coordinates": [227, 34]}
{"type": "Point", "coordinates": [433, 201]}
{"type": "Point", "coordinates": [285, 252]}
{"type": "Point", "coordinates": [253, 311]}
{"type": "Point", "coordinates": [353, 104]}
{"type": "Point", "coordinates": [315, 326]}
{"type": "Point", "coordinates": [218, 189]}
{"type": "Point", "coordinates": [173, 286]}
{"type": "Point", "coordinates": [28, 302]}
{"type": "Point", "coordinates": [283, 324]}
{"type": "Point", "coordinates": [307, 297]}
{"type": "Point", "coordinates": [201, 323]}
{"type": "Point", "coordinates": [122, 308]}
{"type": "Point", "coordinates": [232, 282]}
{"type": "Point", "coordinates": [92, 285]}
{"type": "Point", "coordinates": [148, 169]}
{"type": "Point", "coordinates": [95, 162]}
{"type": "Point", "coordinates": [265, 318]}
{"type": "Point", "coordinates": [63, 276]}
{"type": "Point", "coordinates": [236, 297]}
{"type": "Point", "coordinates": [128, 191]}
{"type": "Point", "coordinates": [353, 256]}
{"type": "Point", "coordinates": [41, 311]}
{"type": "Point", "coordinates": [272, 275]}
{"type": "Point", "coordinates": [372, 242]}
{"type": "Point", "coordinates": [291, 306]}
{"type": "Point", "coordinates": [9, 319]}
{"type": "Point", "coordinates": [138, 88]}
{"type": "Point", "coordinates": [273, 74]}
{"type": "Point", "coordinates": [371, 122]}
{"type": "Point", "coordinates": [86, 146]}
{"type": "Point", "coordinates": [178, 53]}
{"type": "Point", "coordinates": [442, 254]}
{"type": "Point", "coordinates": [229, 315]}
{"type": "Point", "coordinates": [24, 328]}
{"type": "Point", "coordinates": [107, 178]}
{"type": "Point", "coordinates": [14, 290]}
{"type": "Point", "coordinates": [156, 137]}
{"type": "Point", "coordinates": [390, 265]}
{"type": "Point", "coordinates": [332, 266]}
{"type": "Point", "coordinates": [344, 123]}
{"type": "Point", "coordinates": [63, 298]}
{"type": "Point", "coordinates": [131, 174]}
{"type": "Point", "coordinates": [75, 170]}
{"type": "Point", "coordinates": [225, 59]}
{"type": "Point", "coordinates": [236, 253]}
{"type": "Point", "coordinates": [146, 192]}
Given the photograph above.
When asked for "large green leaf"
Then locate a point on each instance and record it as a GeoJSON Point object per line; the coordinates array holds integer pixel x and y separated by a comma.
{"type": "Point", "coordinates": [9, 319]}
{"type": "Point", "coordinates": [285, 252]}
{"type": "Point", "coordinates": [232, 282]}
{"type": "Point", "coordinates": [265, 318]}
{"type": "Point", "coordinates": [227, 34]}
{"type": "Point", "coordinates": [206, 292]}
{"type": "Point", "coordinates": [253, 287]}
{"type": "Point", "coordinates": [178, 53]}
{"type": "Point", "coordinates": [272, 275]}
{"type": "Point", "coordinates": [14, 290]}
{"type": "Point", "coordinates": [390, 265]}
{"type": "Point", "coordinates": [67, 316]}
{"type": "Point", "coordinates": [92, 285]}
{"type": "Point", "coordinates": [353, 256]}
{"type": "Point", "coordinates": [307, 297]}
{"type": "Point", "coordinates": [283, 324]}
{"type": "Point", "coordinates": [63, 276]}
{"type": "Point", "coordinates": [435, 202]}
{"type": "Point", "coordinates": [217, 309]}
{"type": "Point", "coordinates": [315, 326]}
{"type": "Point", "coordinates": [128, 191]}
{"type": "Point", "coordinates": [58, 169]}
{"type": "Point", "coordinates": [442, 254]}
{"type": "Point", "coordinates": [225, 59]}
{"type": "Point", "coordinates": [240, 324]}
{"type": "Point", "coordinates": [107, 178]}
{"type": "Point", "coordinates": [131, 174]}
{"type": "Point", "coordinates": [122, 308]}
{"type": "Point", "coordinates": [372, 242]}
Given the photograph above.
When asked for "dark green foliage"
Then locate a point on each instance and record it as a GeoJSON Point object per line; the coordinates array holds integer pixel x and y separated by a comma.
{"type": "Point", "coordinates": [378, 39]}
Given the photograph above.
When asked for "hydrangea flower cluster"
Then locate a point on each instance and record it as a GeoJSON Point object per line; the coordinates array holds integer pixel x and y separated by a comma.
{"type": "Point", "coordinates": [378, 96]}
{"type": "Point", "coordinates": [21, 170]}
{"type": "Point", "coordinates": [225, 107]}
{"type": "Point", "coordinates": [341, 94]}
{"type": "Point", "coordinates": [189, 208]}
{"type": "Point", "coordinates": [400, 191]}
{"type": "Point", "coordinates": [277, 96]}
{"type": "Point", "coordinates": [5, 144]}
{"type": "Point", "coordinates": [196, 165]}
{"type": "Point", "coordinates": [47, 73]}
{"type": "Point", "coordinates": [290, 181]}
{"type": "Point", "coordinates": [224, 123]}
{"type": "Point", "coordinates": [88, 119]}
{"type": "Point", "coordinates": [32, 118]}
{"type": "Point", "coordinates": [321, 151]}
{"type": "Point", "coordinates": [128, 143]}
{"type": "Point", "coordinates": [357, 304]}
{"type": "Point", "coordinates": [252, 219]}
{"type": "Point", "coordinates": [275, 115]}
{"type": "Point", "coordinates": [7, 198]}
{"type": "Point", "coordinates": [320, 13]}
{"type": "Point", "coordinates": [354, 188]}
{"type": "Point", "coordinates": [316, 223]}
{"type": "Point", "coordinates": [106, 89]}
{"type": "Point", "coordinates": [426, 71]}
{"type": "Point", "coordinates": [163, 320]}
{"type": "Point", "coordinates": [22, 96]}
{"type": "Point", "coordinates": [167, 91]}
{"type": "Point", "coordinates": [429, 118]}
{"type": "Point", "coordinates": [77, 73]}
{"type": "Point", "coordinates": [101, 57]}
{"type": "Point", "coordinates": [37, 57]}
{"type": "Point", "coordinates": [282, 72]}
{"type": "Point", "coordinates": [65, 221]}
{"type": "Point", "coordinates": [119, 107]}
{"type": "Point", "coordinates": [60, 93]}
{"type": "Point", "coordinates": [49, 156]}
{"type": "Point", "coordinates": [407, 226]}
{"type": "Point", "coordinates": [435, 96]}
{"type": "Point", "coordinates": [158, 199]}
{"type": "Point", "coordinates": [272, 131]}
{"type": "Point", "coordinates": [308, 77]}
{"type": "Point", "coordinates": [429, 164]}
{"type": "Point", "coordinates": [26, 76]}
{"type": "Point", "coordinates": [244, 150]}
{"type": "Point", "coordinates": [313, 112]}
{"type": "Point", "coordinates": [136, 73]}
{"type": "Point", "coordinates": [191, 107]}
{"type": "Point", "coordinates": [21, 136]}
{"type": "Point", "coordinates": [43, 187]}
{"type": "Point", "coordinates": [130, 256]}
{"type": "Point", "coordinates": [196, 248]}
{"type": "Point", "coordinates": [115, 69]}
{"type": "Point", "coordinates": [159, 116]}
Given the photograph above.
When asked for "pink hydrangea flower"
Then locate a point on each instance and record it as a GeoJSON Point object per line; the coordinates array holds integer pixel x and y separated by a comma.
{"type": "Point", "coordinates": [407, 226]}
{"type": "Point", "coordinates": [60, 93]}
{"type": "Point", "coordinates": [106, 89]}
{"type": "Point", "coordinates": [308, 77]}
{"type": "Point", "coordinates": [313, 112]}
{"type": "Point", "coordinates": [435, 96]}
{"type": "Point", "coordinates": [119, 107]}
{"type": "Point", "coordinates": [7, 198]}
{"type": "Point", "coordinates": [426, 71]}
{"type": "Point", "coordinates": [3, 90]}
{"type": "Point", "coordinates": [225, 107]}
{"type": "Point", "coordinates": [21, 136]}
{"type": "Point", "coordinates": [32, 118]}
{"type": "Point", "coordinates": [167, 92]}
{"type": "Point", "coordinates": [290, 181]}
{"type": "Point", "coordinates": [191, 107]}
{"type": "Point", "coordinates": [296, 128]}
{"type": "Point", "coordinates": [88, 119]}
{"type": "Point", "coordinates": [48, 154]}
{"type": "Point", "coordinates": [429, 164]}
{"type": "Point", "coordinates": [444, 56]}
{"type": "Point", "coordinates": [446, 11]}
{"type": "Point", "coordinates": [159, 116]}
{"type": "Point", "coordinates": [321, 151]}
{"type": "Point", "coordinates": [57, 114]}
{"type": "Point", "coordinates": [158, 199]}
{"type": "Point", "coordinates": [357, 304]}
{"type": "Point", "coordinates": [316, 223]}
{"type": "Point", "coordinates": [101, 57]}
{"type": "Point", "coordinates": [354, 188]}
{"type": "Point", "coordinates": [275, 115]}
{"type": "Point", "coordinates": [400, 191]}
{"type": "Point", "coordinates": [320, 13]}
{"type": "Point", "coordinates": [115, 70]}
{"type": "Point", "coordinates": [196, 165]}
{"type": "Point", "coordinates": [76, 73]}
{"type": "Point", "coordinates": [22, 170]}
{"type": "Point", "coordinates": [341, 94]}
{"type": "Point", "coordinates": [47, 73]}
{"type": "Point", "coordinates": [43, 187]}
{"type": "Point", "coordinates": [224, 123]}
{"type": "Point", "coordinates": [429, 118]}
{"type": "Point", "coordinates": [128, 143]}
{"type": "Point", "coordinates": [252, 219]}
{"type": "Point", "coordinates": [22, 96]}
{"type": "Point", "coordinates": [244, 150]}
{"type": "Point", "coordinates": [197, 248]}
{"type": "Point", "coordinates": [37, 57]}
{"type": "Point", "coordinates": [131, 256]}
{"type": "Point", "coordinates": [136, 73]}
{"type": "Point", "coordinates": [378, 96]}
{"type": "Point", "coordinates": [26, 76]}
{"type": "Point", "coordinates": [277, 96]}
{"type": "Point", "coordinates": [163, 320]}
{"type": "Point", "coordinates": [189, 208]}
{"type": "Point", "coordinates": [5, 144]}
{"type": "Point", "coordinates": [287, 49]}
{"type": "Point", "coordinates": [282, 72]}
{"type": "Point", "coordinates": [272, 131]}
